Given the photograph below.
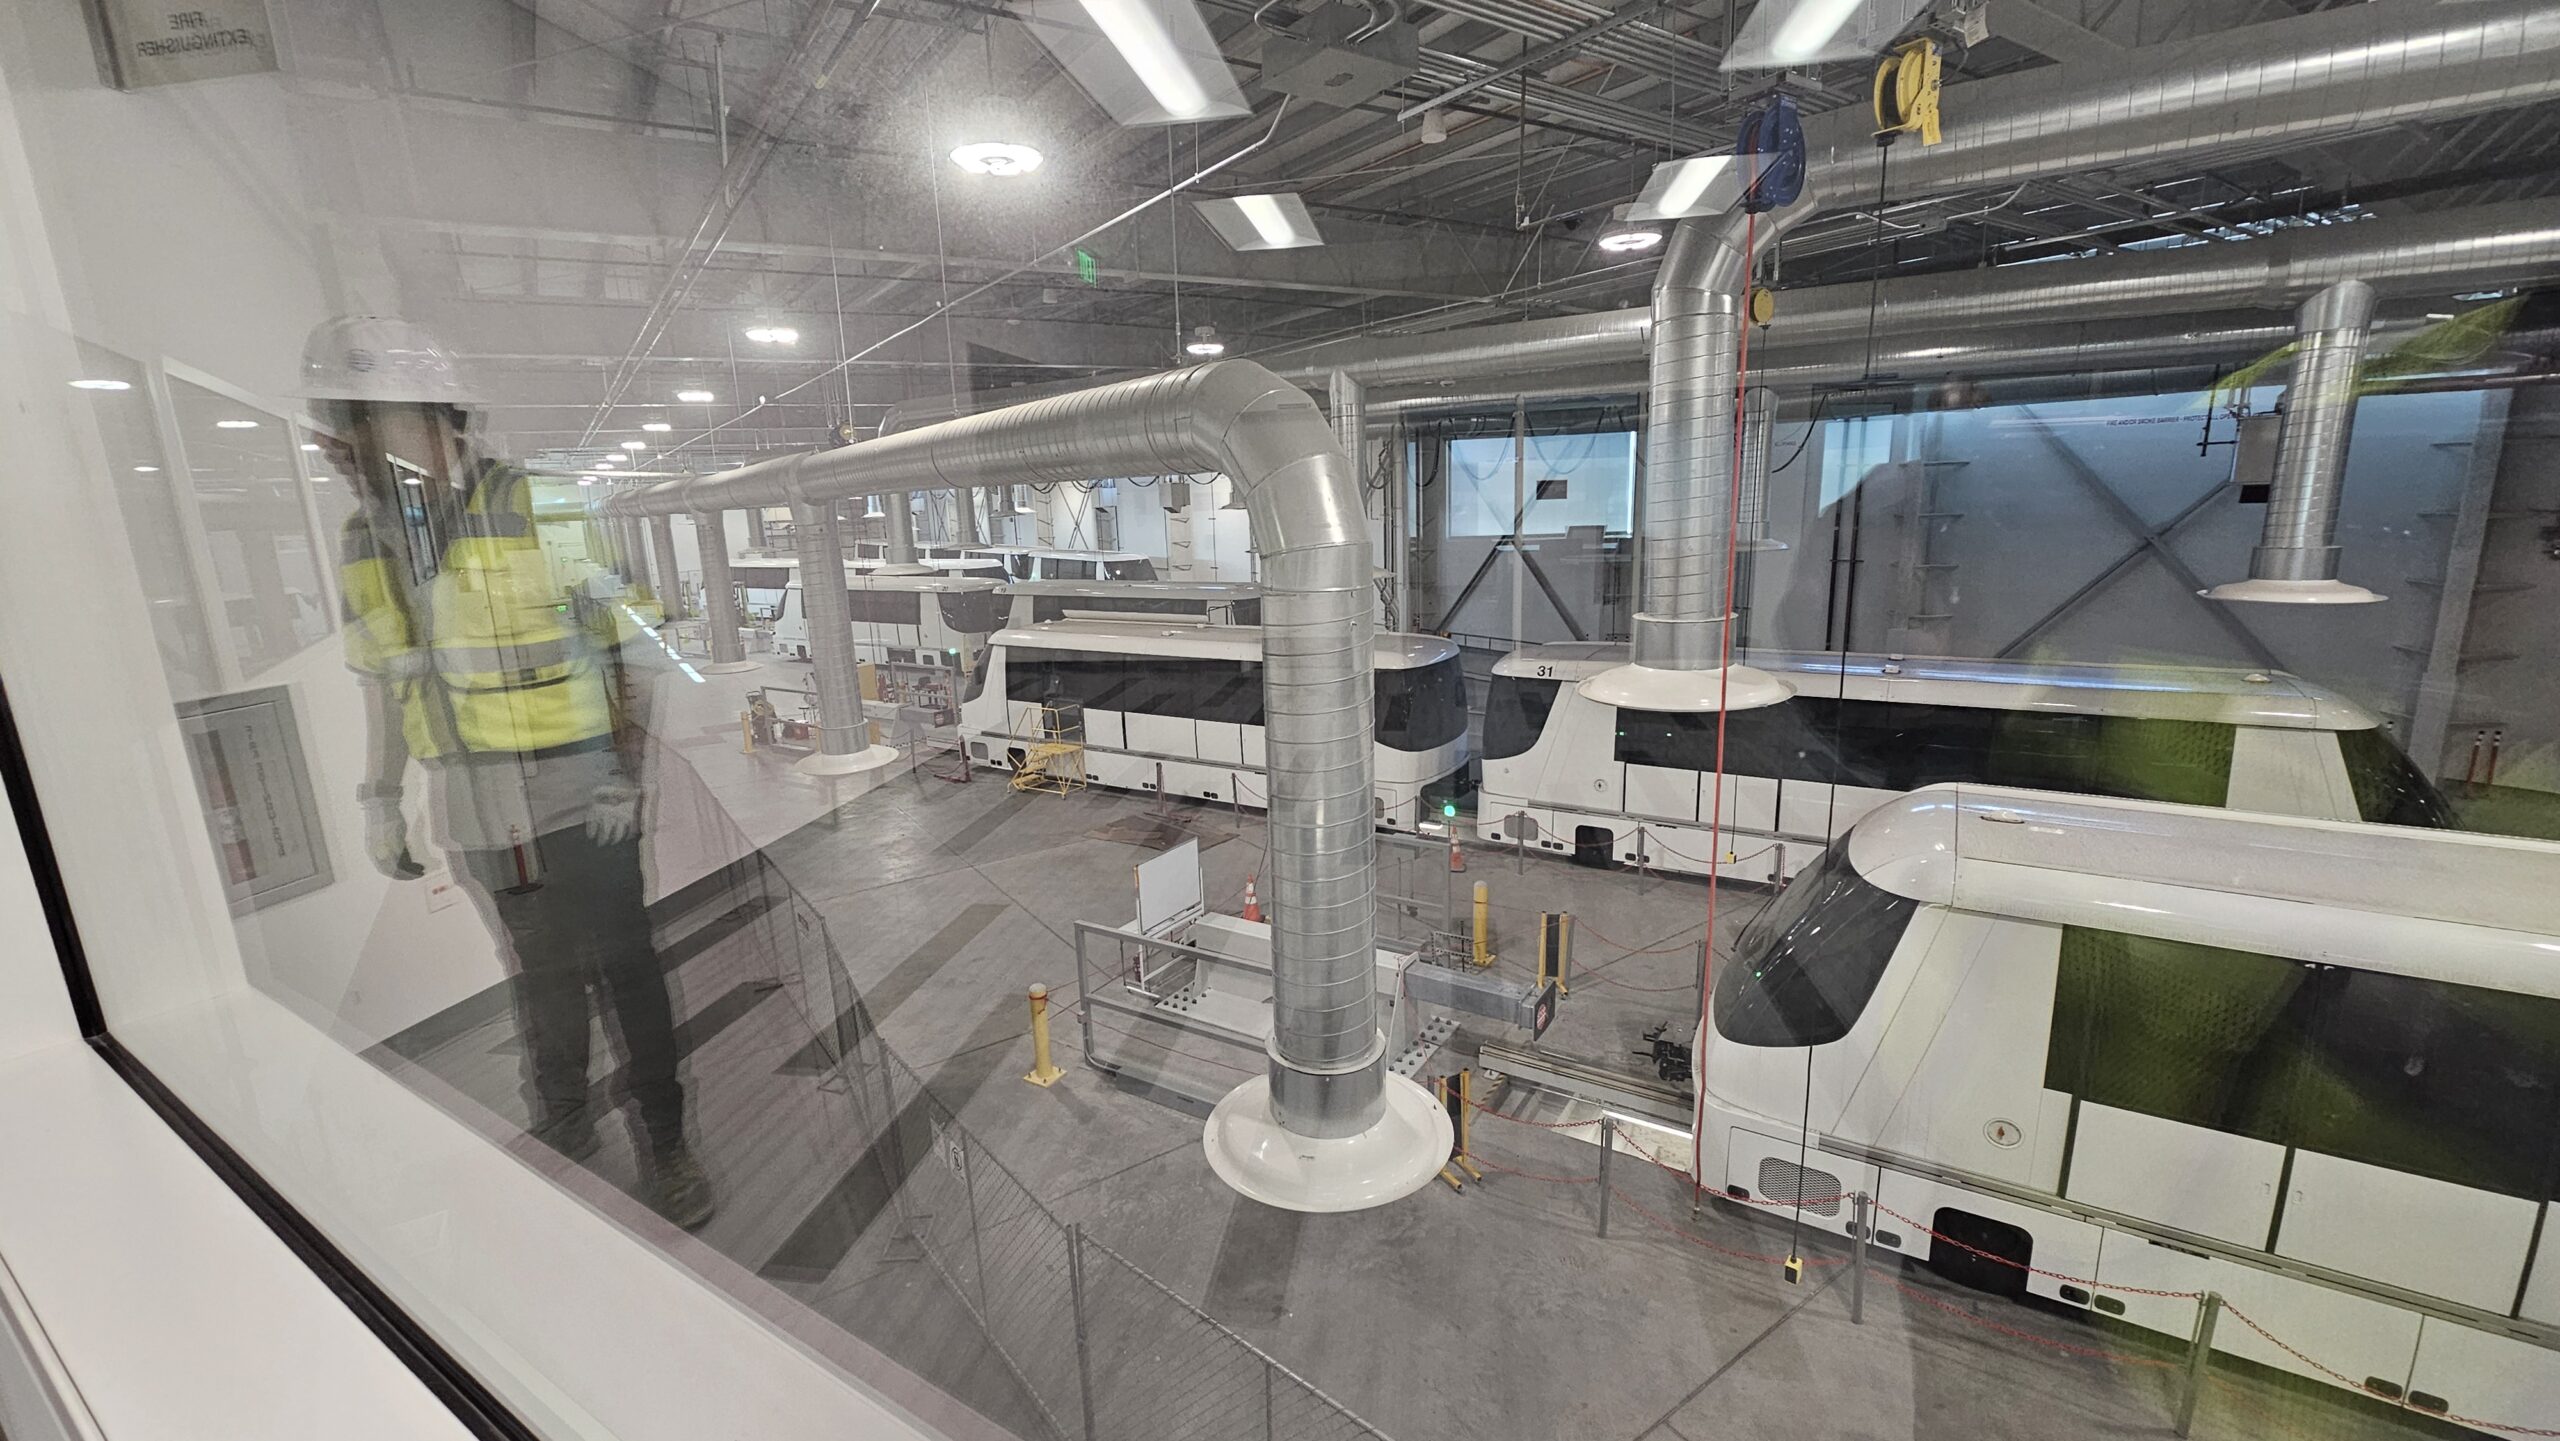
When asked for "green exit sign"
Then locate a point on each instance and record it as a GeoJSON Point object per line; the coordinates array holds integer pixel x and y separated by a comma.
{"type": "Point", "coordinates": [1086, 269]}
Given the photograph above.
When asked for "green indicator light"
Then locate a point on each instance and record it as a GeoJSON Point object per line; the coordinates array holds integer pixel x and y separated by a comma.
{"type": "Point", "coordinates": [1449, 808]}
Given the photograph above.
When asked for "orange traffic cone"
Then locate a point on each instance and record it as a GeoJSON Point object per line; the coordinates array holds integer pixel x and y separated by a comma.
{"type": "Point", "coordinates": [1252, 903]}
{"type": "Point", "coordinates": [1457, 857]}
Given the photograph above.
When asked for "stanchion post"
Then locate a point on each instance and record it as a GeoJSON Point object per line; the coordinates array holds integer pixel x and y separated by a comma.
{"type": "Point", "coordinates": [1084, 1346]}
{"type": "Point", "coordinates": [2199, 1359]}
{"type": "Point", "coordinates": [1859, 1227]}
{"type": "Point", "coordinates": [1608, 1143]}
{"type": "Point", "coordinates": [1483, 924]}
{"type": "Point", "coordinates": [1044, 1072]}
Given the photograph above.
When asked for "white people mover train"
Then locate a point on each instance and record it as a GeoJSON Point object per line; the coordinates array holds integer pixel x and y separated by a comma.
{"type": "Point", "coordinates": [2119, 1054]}
{"type": "Point", "coordinates": [1185, 701]}
{"type": "Point", "coordinates": [1569, 774]}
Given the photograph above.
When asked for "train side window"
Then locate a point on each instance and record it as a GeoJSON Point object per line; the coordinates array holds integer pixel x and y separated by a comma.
{"type": "Point", "coordinates": [1228, 691]}
{"type": "Point", "coordinates": [885, 607]}
{"type": "Point", "coordinates": [2457, 1083]}
{"type": "Point", "coordinates": [974, 612]}
{"type": "Point", "coordinates": [2138, 758]}
{"type": "Point", "coordinates": [2389, 788]}
{"type": "Point", "coordinates": [1803, 971]}
{"type": "Point", "coordinates": [1128, 570]}
{"type": "Point", "coordinates": [2192, 1033]}
{"type": "Point", "coordinates": [1053, 568]}
{"type": "Point", "coordinates": [1515, 714]}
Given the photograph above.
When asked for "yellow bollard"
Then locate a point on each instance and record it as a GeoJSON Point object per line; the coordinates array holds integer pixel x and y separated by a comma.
{"type": "Point", "coordinates": [1044, 1072]}
{"type": "Point", "coordinates": [1484, 932]}
{"type": "Point", "coordinates": [746, 733]}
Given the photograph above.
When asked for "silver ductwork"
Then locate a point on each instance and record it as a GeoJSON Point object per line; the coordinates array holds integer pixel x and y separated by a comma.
{"type": "Point", "coordinates": [1751, 508]}
{"type": "Point", "coordinates": [1687, 505]}
{"type": "Point", "coordinates": [719, 595]}
{"type": "Point", "coordinates": [662, 550]}
{"type": "Point", "coordinates": [964, 516]}
{"type": "Point", "coordinates": [2296, 560]}
{"type": "Point", "coordinates": [844, 733]}
{"type": "Point", "coordinates": [897, 508]}
{"type": "Point", "coordinates": [2437, 254]}
{"type": "Point", "coordinates": [1327, 1106]}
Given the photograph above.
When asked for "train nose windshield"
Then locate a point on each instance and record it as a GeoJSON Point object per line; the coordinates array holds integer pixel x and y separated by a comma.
{"type": "Point", "coordinates": [1803, 971]}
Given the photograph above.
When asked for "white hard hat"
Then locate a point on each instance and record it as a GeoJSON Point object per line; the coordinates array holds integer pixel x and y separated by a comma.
{"type": "Point", "coordinates": [372, 357]}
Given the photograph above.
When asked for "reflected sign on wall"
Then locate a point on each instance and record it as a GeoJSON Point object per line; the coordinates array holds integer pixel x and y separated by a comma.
{"type": "Point", "coordinates": [255, 786]}
{"type": "Point", "coordinates": [143, 43]}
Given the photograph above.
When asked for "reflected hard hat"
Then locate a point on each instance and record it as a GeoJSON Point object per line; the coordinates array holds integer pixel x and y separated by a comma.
{"type": "Point", "coordinates": [373, 357]}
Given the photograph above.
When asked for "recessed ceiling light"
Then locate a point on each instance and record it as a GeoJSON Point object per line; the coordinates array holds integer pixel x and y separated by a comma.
{"type": "Point", "coordinates": [694, 397]}
{"type": "Point", "coordinates": [1623, 236]}
{"type": "Point", "coordinates": [310, 445]}
{"type": "Point", "coordinates": [102, 385]}
{"type": "Point", "coordinates": [773, 335]}
{"type": "Point", "coordinates": [146, 470]}
{"type": "Point", "coordinates": [656, 426]}
{"type": "Point", "coordinates": [635, 445]}
{"type": "Point", "coordinates": [235, 425]}
{"type": "Point", "coordinates": [996, 157]}
{"type": "Point", "coordinates": [1274, 221]}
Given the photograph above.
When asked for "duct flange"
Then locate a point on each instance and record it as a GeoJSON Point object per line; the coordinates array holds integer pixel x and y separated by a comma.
{"type": "Point", "coordinates": [1396, 1156]}
{"type": "Point", "coordinates": [1686, 692]}
{"type": "Point", "coordinates": [2292, 592]}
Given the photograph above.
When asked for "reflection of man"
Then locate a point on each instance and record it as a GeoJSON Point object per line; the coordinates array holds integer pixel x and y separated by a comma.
{"type": "Point", "coordinates": [478, 663]}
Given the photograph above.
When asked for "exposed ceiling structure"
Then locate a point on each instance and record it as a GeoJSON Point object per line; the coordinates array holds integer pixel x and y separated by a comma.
{"type": "Point", "coordinates": [825, 202]}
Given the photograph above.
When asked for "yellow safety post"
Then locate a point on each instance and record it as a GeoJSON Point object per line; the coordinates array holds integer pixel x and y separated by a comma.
{"type": "Point", "coordinates": [1461, 1100]}
{"type": "Point", "coordinates": [1044, 1072]}
{"type": "Point", "coordinates": [1484, 924]}
{"type": "Point", "coordinates": [1555, 949]}
{"type": "Point", "coordinates": [746, 732]}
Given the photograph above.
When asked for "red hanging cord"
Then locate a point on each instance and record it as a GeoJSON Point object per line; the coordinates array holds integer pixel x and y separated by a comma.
{"type": "Point", "coordinates": [1724, 687]}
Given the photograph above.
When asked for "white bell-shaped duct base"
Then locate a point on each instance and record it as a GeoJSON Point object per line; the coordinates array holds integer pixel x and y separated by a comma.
{"type": "Point", "coordinates": [869, 758]}
{"type": "Point", "coordinates": [1692, 692]}
{"type": "Point", "coordinates": [2291, 592]}
{"type": "Point", "coordinates": [1387, 1162]}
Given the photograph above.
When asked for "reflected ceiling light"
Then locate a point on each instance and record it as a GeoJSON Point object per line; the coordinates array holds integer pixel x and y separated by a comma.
{"type": "Point", "coordinates": [586, 480]}
{"type": "Point", "coordinates": [235, 425]}
{"type": "Point", "coordinates": [1801, 32]}
{"type": "Point", "coordinates": [1205, 343]}
{"type": "Point", "coordinates": [773, 335]}
{"type": "Point", "coordinates": [1275, 221]}
{"type": "Point", "coordinates": [311, 445]}
{"type": "Point", "coordinates": [1692, 185]}
{"type": "Point", "coordinates": [635, 445]}
{"type": "Point", "coordinates": [996, 157]}
{"type": "Point", "coordinates": [1626, 237]}
{"type": "Point", "coordinates": [694, 397]}
{"type": "Point", "coordinates": [1147, 62]}
{"type": "Point", "coordinates": [102, 385]}
{"type": "Point", "coordinates": [1435, 129]}
{"type": "Point", "coordinates": [411, 480]}
{"type": "Point", "coordinates": [146, 470]}
{"type": "Point", "coordinates": [656, 427]}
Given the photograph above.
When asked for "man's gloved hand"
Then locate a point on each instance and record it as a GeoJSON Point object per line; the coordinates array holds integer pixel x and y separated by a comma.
{"type": "Point", "coordinates": [386, 838]}
{"type": "Point", "coordinates": [614, 815]}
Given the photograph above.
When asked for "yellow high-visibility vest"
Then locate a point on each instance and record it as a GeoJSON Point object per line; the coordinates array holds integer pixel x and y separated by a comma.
{"type": "Point", "coordinates": [487, 656]}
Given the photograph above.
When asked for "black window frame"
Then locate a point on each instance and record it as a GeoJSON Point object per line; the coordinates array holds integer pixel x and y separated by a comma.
{"type": "Point", "coordinates": [1516, 711]}
{"type": "Point", "coordinates": [1780, 987]}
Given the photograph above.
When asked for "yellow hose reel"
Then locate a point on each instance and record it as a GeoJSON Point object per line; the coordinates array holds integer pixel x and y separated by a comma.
{"type": "Point", "coordinates": [1907, 93]}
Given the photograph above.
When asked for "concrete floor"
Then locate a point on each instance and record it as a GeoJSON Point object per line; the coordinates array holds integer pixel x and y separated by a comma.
{"type": "Point", "coordinates": [1484, 1316]}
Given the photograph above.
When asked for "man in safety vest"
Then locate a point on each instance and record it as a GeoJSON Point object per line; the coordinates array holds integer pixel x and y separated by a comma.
{"type": "Point", "coordinates": [479, 664]}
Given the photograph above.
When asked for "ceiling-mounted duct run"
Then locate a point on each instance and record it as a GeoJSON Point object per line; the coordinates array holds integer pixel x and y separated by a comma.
{"type": "Point", "coordinates": [2296, 560]}
{"type": "Point", "coordinates": [1327, 1128]}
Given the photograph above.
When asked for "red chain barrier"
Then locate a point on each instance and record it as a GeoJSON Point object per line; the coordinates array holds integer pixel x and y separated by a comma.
{"type": "Point", "coordinates": [1809, 1261]}
{"type": "Point", "coordinates": [2047, 1342]}
{"type": "Point", "coordinates": [2037, 1270]}
{"type": "Point", "coordinates": [1530, 1175]}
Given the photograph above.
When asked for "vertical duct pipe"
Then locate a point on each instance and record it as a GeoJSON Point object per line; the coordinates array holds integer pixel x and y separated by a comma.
{"type": "Point", "coordinates": [1759, 417]}
{"type": "Point", "coordinates": [897, 508]}
{"type": "Point", "coordinates": [964, 516]}
{"type": "Point", "coordinates": [1326, 1129]}
{"type": "Point", "coordinates": [1349, 409]}
{"type": "Point", "coordinates": [1695, 342]}
{"type": "Point", "coordinates": [2296, 560]}
{"type": "Point", "coordinates": [719, 594]}
{"type": "Point", "coordinates": [662, 550]}
{"type": "Point", "coordinates": [635, 555]}
{"type": "Point", "coordinates": [844, 734]}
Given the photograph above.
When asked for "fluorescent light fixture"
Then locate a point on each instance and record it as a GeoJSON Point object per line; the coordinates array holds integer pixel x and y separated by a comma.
{"type": "Point", "coordinates": [656, 427]}
{"type": "Point", "coordinates": [235, 425]}
{"type": "Point", "coordinates": [102, 385]}
{"type": "Point", "coordinates": [773, 335]}
{"type": "Point", "coordinates": [996, 157]}
{"type": "Point", "coordinates": [586, 480]}
{"type": "Point", "coordinates": [1274, 221]}
{"type": "Point", "coordinates": [311, 445]}
{"type": "Point", "coordinates": [1147, 62]}
{"type": "Point", "coordinates": [1783, 33]}
{"type": "Point", "coordinates": [635, 445]}
{"type": "Point", "coordinates": [1692, 185]}
{"type": "Point", "coordinates": [146, 470]}
{"type": "Point", "coordinates": [695, 397]}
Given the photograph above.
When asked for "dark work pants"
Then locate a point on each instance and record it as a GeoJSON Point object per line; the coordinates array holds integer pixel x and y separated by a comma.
{"type": "Point", "coordinates": [582, 925]}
